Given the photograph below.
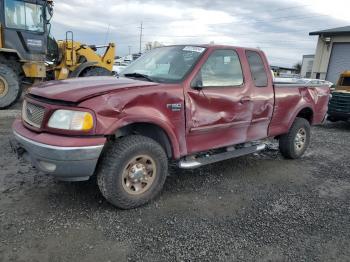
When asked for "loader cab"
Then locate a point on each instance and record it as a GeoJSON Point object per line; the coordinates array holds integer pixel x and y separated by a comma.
{"type": "Point", "coordinates": [344, 82]}
{"type": "Point", "coordinates": [24, 28]}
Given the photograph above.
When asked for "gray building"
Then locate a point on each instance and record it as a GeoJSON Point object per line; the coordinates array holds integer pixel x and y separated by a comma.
{"type": "Point", "coordinates": [332, 55]}
{"type": "Point", "coordinates": [306, 66]}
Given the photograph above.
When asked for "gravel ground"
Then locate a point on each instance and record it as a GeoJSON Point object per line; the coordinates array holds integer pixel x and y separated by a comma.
{"type": "Point", "coordinates": [258, 207]}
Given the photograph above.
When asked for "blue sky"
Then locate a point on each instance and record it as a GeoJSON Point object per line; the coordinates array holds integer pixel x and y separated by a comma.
{"type": "Point", "coordinates": [280, 28]}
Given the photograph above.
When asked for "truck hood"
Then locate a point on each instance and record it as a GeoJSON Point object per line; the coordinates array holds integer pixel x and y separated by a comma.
{"type": "Point", "coordinates": [79, 89]}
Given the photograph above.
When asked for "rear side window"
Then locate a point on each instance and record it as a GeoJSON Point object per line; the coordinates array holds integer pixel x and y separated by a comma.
{"type": "Point", "coordinates": [257, 68]}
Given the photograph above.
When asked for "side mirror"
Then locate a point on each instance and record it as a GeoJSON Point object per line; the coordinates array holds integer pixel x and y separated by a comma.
{"type": "Point", "coordinates": [197, 83]}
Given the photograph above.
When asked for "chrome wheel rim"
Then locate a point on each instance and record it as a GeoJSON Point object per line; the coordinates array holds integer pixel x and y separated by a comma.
{"type": "Point", "coordinates": [139, 174]}
{"type": "Point", "coordinates": [300, 139]}
{"type": "Point", "coordinates": [3, 87]}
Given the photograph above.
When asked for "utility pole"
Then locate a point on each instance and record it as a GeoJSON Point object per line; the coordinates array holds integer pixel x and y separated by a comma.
{"type": "Point", "coordinates": [129, 49]}
{"type": "Point", "coordinates": [141, 28]}
{"type": "Point", "coordinates": [107, 34]}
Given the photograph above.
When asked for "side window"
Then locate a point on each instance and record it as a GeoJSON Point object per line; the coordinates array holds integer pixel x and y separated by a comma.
{"type": "Point", "coordinates": [345, 81]}
{"type": "Point", "coordinates": [257, 68]}
{"type": "Point", "coordinates": [222, 69]}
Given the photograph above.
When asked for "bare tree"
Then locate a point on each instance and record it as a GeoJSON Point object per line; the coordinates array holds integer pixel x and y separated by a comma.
{"type": "Point", "coordinates": [297, 66]}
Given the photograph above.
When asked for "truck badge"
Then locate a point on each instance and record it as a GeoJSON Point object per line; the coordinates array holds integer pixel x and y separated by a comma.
{"type": "Point", "coordinates": [174, 107]}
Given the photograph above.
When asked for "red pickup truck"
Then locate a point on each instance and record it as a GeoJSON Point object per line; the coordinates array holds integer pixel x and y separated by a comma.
{"type": "Point", "coordinates": [192, 104]}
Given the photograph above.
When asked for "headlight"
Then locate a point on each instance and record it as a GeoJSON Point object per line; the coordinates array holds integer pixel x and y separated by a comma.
{"type": "Point", "coordinates": [71, 120]}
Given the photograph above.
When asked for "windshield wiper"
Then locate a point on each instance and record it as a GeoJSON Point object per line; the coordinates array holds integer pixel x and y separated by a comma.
{"type": "Point", "coordinates": [139, 75]}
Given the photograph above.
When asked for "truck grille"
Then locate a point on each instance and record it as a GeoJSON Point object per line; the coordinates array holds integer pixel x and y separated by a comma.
{"type": "Point", "coordinates": [340, 102]}
{"type": "Point", "coordinates": [33, 114]}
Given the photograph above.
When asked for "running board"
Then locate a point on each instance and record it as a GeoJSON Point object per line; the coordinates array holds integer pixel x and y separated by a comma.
{"type": "Point", "coordinates": [201, 161]}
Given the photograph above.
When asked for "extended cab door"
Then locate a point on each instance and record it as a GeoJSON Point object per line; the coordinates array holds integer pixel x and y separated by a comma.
{"type": "Point", "coordinates": [262, 94]}
{"type": "Point", "coordinates": [219, 110]}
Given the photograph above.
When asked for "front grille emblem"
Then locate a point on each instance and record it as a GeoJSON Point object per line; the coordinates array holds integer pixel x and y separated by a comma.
{"type": "Point", "coordinates": [33, 114]}
{"type": "Point", "coordinates": [29, 112]}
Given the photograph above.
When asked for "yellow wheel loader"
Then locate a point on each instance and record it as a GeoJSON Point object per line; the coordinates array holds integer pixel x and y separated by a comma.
{"type": "Point", "coordinates": [28, 54]}
{"type": "Point", "coordinates": [339, 105]}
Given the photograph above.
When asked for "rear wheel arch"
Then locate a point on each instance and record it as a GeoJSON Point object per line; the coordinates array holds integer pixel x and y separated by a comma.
{"type": "Point", "coordinates": [306, 113]}
{"type": "Point", "coordinates": [150, 130]}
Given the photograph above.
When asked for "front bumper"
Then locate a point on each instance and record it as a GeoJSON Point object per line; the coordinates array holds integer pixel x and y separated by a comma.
{"type": "Point", "coordinates": [68, 163]}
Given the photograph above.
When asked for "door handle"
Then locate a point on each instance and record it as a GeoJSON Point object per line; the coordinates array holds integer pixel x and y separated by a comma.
{"type": "Point", "coordinates": [245, 99]}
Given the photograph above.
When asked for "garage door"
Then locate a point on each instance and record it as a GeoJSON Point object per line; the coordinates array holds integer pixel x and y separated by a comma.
{"type": "Point", "coordinates": [339, 61]}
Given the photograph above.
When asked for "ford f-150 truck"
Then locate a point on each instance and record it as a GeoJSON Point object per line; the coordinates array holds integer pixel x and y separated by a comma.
{"type": "Point", "coordinates": [195, 105]}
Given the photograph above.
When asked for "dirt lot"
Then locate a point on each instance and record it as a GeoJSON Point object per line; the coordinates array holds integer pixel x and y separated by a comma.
{"type": "Point", "coordinates": [259, 207]}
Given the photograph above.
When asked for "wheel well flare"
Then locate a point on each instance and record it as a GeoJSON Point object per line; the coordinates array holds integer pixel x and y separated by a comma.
{"type": "Point", "coordinates": [149, 130]}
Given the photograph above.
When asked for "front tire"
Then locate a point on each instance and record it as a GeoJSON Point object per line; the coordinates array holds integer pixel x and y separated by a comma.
{"type": "Point", "coordinates": [293, 144]}
{"type": "Point", "coordinates": [10, 89]}
{"type": "Point", "coordinates": [132, 171]}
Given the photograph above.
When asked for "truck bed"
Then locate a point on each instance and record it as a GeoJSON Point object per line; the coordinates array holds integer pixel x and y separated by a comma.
{"type": "Point", "coordinates": [296, 96]}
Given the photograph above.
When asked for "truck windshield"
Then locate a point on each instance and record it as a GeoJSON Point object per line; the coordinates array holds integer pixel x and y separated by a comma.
{"type": "Point", "coordinates": [165, 64]}
{"type": "Point", "coordinates": [25, 16]}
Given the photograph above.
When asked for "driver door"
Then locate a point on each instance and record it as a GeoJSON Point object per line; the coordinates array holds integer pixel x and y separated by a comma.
{"type": "Point", "coordinates": [219, 110]}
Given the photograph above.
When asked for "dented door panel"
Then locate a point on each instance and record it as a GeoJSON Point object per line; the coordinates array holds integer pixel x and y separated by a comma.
{"type": "Point", "coordinates": [218, 118]}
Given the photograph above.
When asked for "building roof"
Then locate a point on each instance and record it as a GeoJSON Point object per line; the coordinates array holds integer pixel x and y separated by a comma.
{"type": "Point", "coordinates": [308, 56]}
{"type": "Point", "coordinates": [345, 30]}
{"type": "Point", "coordinates": [282, 68]}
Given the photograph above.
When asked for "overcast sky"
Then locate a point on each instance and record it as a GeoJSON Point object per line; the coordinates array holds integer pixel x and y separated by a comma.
{"type": "Point", "coordinates": [279, 27]}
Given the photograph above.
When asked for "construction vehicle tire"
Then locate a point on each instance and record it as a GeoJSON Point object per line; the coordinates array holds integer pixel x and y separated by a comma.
{"type": "Point", "coordinates": [96, 71]}
{"type": "Point", "coordinates": [10, 90]}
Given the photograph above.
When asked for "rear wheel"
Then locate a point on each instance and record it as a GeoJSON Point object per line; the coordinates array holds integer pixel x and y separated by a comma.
{"type": "Point", "coordinates": [10, 89]}
{"type": "Point", "coordinates": [96, 71]}
{"type": "Point", "coordinates": [293, 144]}
{"type": "Point", "coordinates": [132, 171]}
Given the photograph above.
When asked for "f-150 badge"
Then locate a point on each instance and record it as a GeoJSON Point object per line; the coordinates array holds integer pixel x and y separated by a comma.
{"type": "Point", "coordinates": [174, 107]}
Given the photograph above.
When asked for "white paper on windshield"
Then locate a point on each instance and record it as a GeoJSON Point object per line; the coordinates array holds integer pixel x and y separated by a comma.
{"type": "Point", "coordinates": [227, 60]}
{"type": "Point", "coordinates": [194, 49]}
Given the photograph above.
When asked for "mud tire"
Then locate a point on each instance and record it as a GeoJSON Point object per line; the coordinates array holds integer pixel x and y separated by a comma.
{"type": "Point", "coordinates": [13, 88]}
{"type": "Point", "coordinates": [113, 163]}
{"type": "Point", "coordinates": [287, 144]}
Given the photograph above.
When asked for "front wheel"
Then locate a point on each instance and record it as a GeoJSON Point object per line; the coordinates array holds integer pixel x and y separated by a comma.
{"type": "Point", "coordinates": [10, 89]}
{"type": "Point", "coordinates": [132, 171]}
{"type": "Point", "coordinates": [293, 144]}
